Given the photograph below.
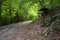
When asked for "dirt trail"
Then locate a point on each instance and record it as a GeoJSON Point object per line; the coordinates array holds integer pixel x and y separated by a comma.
{"type": "Point", "coordinates": [27, 31]}
{"type": "Point", "coordinates": [22, 31]}
{"type": "Point", "coordinates": [30, 31]}
{"type": "Point", "coordinates": [11, 29]}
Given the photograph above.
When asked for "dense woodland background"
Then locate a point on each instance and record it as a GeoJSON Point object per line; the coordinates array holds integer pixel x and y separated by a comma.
{"type": "Point", "coordinates": [13, 11]}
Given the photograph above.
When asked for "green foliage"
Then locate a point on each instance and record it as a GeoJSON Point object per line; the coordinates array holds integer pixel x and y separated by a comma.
{"type": "Point", "coordinates": [19, 10]}
{"type": "Point", "coordinates": [57, 3]}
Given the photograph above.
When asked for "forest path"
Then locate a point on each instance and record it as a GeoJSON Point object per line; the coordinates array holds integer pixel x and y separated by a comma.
{"type": "Point", "coordinates": [26, 31]}
{"type": "Point", "coordinates": [11, 29]}
{"type": "Point", "coordinates": [22, 31]}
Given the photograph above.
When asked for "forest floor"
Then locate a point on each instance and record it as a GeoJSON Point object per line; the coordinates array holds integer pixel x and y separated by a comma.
{"type": "Point", "coordinates": [27, 31]}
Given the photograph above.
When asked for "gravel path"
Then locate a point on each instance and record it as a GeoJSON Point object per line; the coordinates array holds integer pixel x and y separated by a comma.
{"type": "Point", "coordinates": [11, 29]}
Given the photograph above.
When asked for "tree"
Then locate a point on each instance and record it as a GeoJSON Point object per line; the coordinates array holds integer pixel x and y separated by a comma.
{"type": "Point", "coordinates": [0, 12]}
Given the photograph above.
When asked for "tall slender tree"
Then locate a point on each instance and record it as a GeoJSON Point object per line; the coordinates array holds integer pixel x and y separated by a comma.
{"type": "Point", "coordinates": [0, 12]}
{"type": "Point", "coordinates": [10, 11]}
